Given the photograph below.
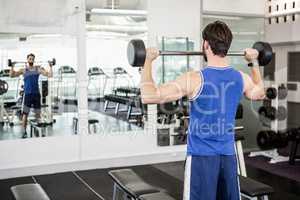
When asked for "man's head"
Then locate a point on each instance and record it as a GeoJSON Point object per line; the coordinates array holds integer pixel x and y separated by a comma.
{"type": "Point", "coordinates": [30, 58]}
{"type": "Point", "coordinates": [217, 39]}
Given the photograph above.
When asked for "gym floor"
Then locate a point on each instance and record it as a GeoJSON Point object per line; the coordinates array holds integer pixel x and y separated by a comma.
{"type": "Point", "coordinates": [96, 184]}
{"type": "Point", "coordinates": [64, 122]}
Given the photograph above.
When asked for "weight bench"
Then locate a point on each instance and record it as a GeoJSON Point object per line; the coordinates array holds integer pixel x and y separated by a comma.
{"type": "Point", "coordinates": [117, 100]}
{"type": "Point", "coordinates": [32, 191]}
{"type": "Point", "coordinates": [40, 127]}
{"type": "Point", "coordinates": [91, 122]}
{"type": "Point", "coordinates": [249, 188]}
{"type": "Point", "coordinates": [134, 102]}
{"type": "Point", "coordinates": [128, 185]}
{"type": "Point", "coordinates": [254, 190]}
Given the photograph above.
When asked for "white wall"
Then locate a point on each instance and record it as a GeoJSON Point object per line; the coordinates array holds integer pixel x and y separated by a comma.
{"type": "Point", "coordinates": [174, 18]}
{"type": "Point", "coordinates": [234, 7]}
{"type": "Point", "coordinates": [289, 30]}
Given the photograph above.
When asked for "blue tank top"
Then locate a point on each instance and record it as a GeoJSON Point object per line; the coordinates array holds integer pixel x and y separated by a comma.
{"type": "Point", "coordinates": [31, 81]}
{"type": "Point", "coordinates": [212, 112]}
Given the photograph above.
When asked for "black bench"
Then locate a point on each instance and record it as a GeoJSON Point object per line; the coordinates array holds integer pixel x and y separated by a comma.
{"type": "Point", "coordinates": [128, 184]}
{"type": "Point", "coordinates": [39, 128]}
{"type": "Point", "coordinates": [115, 99]}
{"type": "Point", "coordinates": [32, 191]}
{"type": "Point", "coordinates": [134, 102]}
{"type": "Point", "coordinates": [127, 91]}
{"type": "Point", "coordinates": [254, 190]}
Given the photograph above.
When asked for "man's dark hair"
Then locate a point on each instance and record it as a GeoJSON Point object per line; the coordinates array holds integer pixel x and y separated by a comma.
{"type": "Point", "coordinates": [219, 37]}
{"type": "Point", "coordinates": [31, 54]}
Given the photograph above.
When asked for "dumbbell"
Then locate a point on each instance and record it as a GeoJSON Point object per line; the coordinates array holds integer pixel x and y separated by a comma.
{"type": "Point", "coordinates": [11, 63]}
{"type": "Point", "coordinates": [272, 113]}
{"type": "Point", "coordinates": [271, 93]}
{"type": "Point", "coordinates": [281, 92]}
{"type": "Point", "coordinates": [268, 139]}
{"type": "Point", "coordinates": [136, 53]}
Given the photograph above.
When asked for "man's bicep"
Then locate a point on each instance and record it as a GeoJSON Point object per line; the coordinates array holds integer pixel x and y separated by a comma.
{"type": "Point", "coordinates": [252, 91]}
{"type": "Point", "coordinates": [43, 71]}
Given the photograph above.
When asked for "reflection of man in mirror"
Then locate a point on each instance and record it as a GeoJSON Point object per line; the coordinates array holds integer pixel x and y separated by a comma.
{"type": "Point", "coordinates": [31, 97]}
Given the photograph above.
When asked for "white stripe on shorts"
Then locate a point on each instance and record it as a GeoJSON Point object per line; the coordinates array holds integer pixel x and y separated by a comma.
{"type": "Point", "coordinates": [187, 178]}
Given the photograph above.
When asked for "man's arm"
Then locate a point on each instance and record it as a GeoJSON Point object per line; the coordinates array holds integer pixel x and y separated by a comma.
{"type": "Point", "coordinates": [254, 85]}
{"type": "Point", "coordinates": [184, 85]}
{"type": "Point", "coordinates": [46, 73]}
{"type": "Point", "coordinates": [13, 73]}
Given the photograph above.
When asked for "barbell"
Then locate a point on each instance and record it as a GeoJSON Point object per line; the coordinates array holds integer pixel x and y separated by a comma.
{"type": "Point", "coordinates": [136, 53]}
{"type": "Point", "coordinates": [3, 87]}
{"type": "Point", "coordinates": [11, 63]}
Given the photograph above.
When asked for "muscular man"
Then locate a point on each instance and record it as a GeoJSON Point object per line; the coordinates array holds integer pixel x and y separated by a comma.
{"type": "Point", "coordinates": [32, 97]}
{"type": "Point", "coordinates": [214, 94]}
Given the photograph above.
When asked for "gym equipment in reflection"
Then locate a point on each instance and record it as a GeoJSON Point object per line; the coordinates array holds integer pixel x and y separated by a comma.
{"type": "Point", "coordinates": [9, 98]}
{"type": "Point", "coordinates": [128, 97]}
{"type": "Point", "coordinates": [121, 78]}
{"type": "Point", "coordinates": [173, 121]}
{"type": "Point", "coordinates": [273, 116]}
{"type": "Point", "coordinates": [11, 63]}
{"type": "Point", "coordinates": [97, 83]}
{"type": "Point", "coordinates": [93, 123]}
{"type": "Point", "coordinates": [64, 84]}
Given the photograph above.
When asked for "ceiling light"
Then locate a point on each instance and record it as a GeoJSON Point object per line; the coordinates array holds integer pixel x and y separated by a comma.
{"type": "Point", "coordinates": [118, 12]}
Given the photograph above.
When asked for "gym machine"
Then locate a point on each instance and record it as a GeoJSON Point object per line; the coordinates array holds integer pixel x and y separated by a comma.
{"type": "Point", "coordinates": [273, 115]}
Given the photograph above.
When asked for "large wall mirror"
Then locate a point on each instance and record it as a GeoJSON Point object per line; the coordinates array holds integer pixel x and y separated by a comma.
{"type": "Point", "coordinates": [44, 92]}
{"type": "Point", "coordinates": [114, 100]}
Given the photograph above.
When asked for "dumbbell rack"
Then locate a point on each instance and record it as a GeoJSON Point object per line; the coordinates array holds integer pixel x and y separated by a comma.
{"type": "Point", "coordinates": [46, 114]}
{"type": "Point", "coordinates": [273, 153]}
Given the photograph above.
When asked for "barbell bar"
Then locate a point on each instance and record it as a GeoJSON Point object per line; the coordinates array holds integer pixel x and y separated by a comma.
{"type": "Point", "coordinates": [136, 53]}
{"type": "Point", "coordinates": [11, 63]}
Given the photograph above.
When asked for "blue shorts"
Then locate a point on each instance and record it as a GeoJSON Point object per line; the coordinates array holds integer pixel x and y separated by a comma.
{"type": "Point", "coordinates": [211, 178]}
{"type": "Point", "coordinates": [31, 101]}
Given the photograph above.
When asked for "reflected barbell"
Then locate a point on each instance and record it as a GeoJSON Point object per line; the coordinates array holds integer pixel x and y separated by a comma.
{"type": "Point", "coordinates": [136, 53]}
{"type": "Point", "coordinates": [11, 63]}
{"type": "Point", "coordinates": [3, 87]}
